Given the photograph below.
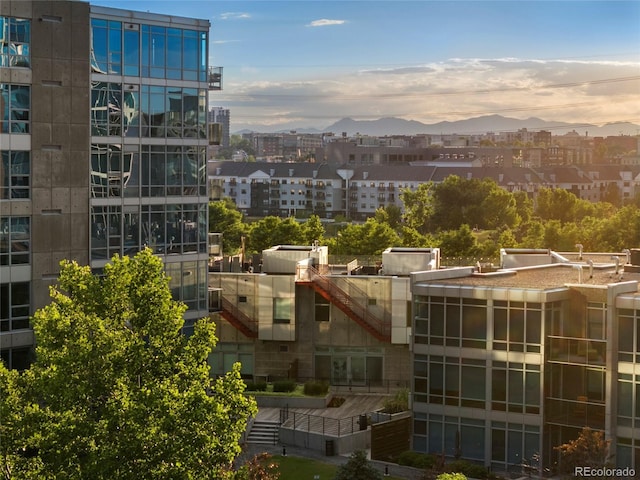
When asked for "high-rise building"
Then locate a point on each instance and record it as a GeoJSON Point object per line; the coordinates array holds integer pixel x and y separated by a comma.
{"type": "Point", "coordinates": [220, 119]}
{"type": "Point", "coordinates": [103, 133]}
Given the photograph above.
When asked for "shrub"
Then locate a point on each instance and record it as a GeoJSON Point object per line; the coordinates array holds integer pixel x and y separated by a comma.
{"type": "Point", "coordinates": [257, 386]}
{"type": "Point", "coordinates": [284, 386]}
{"type": "Point", "coordinates": [416, 459]}
{"type": "Point", "coordinates": [316, 388]}
{"type": "Point", "coordinates": [451, 476]}
{"type": "Point", "coordinates": [467, 468]}
{"type": "Point", "coordinates": [398, 403]}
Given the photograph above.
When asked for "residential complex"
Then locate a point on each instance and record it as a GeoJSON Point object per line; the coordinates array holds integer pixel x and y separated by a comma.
{"type": "Point", "coordinates": [504, 362]}
{"type": "Point", "coordinates": [509, 363]}
{"type": "Point", "coordinates": [103, 139]}
{"type": "Point", "coordinates": [356, 192]}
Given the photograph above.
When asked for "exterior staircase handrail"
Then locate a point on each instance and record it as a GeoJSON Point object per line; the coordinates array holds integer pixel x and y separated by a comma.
{"type": "Point", "coordinates": [239, 319]}
{"type": "Point", "coordinates": [344, 300]}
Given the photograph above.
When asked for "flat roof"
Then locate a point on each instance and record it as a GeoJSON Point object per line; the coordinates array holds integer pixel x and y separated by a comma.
{"type": "Point", "coordinates": [543, 277]}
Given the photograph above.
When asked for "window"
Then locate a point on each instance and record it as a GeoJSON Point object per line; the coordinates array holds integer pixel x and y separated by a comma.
{"type": "Point", "coordinates": [15, 240]}
{"type": "Point", "coordinates": [15, 173]}
{"type": "Point", "coordinates": [517, 326]}
{"type": "Point", "coordinates": [17, 358]}
{"type": "Point", "coordinates": [14, 306]}
{"type": "Point", "coordinates": [15, 107]}
{"type": "Point", "coordinates": [457, 322]}
{"type": "Point", "coordinates": [322, 308]}
{"type": "Point", "coordinates": [16, 52]}
{"type": "Point", "coordinates": [166, 229]}
{"type": "Point", "coordinates": [514, 444]}
{"type": "Point", "coordinates": [457, 382]}
{"type": "Point", "coordinates": [282, 310]}
{"type": "Point", "coordinates": [515, 387]}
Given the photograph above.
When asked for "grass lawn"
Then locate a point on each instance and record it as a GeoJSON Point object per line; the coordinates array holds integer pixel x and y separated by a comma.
{"type": "Point", "coordinates": [299, 468]}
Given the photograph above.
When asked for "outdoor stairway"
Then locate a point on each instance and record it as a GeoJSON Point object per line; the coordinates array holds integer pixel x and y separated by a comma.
{"type": "Point", "coordinates": [265, 433]}
{"type": "Point", "coordinates": [324, 286]}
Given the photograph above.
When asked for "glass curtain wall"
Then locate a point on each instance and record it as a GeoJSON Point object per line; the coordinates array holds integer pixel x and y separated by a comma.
{"type": "Point", "coordinates": [148, 156]}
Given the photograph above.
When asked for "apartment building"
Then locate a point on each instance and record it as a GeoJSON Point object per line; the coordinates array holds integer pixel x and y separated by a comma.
{"type": "Point", "coordinates": [219, 126]}
{"type": "Point", "coordinates": [509, 363]}
{"type": "Point", "coordinates": [327, 190]}
{"type": "Point", "coordinates": [294, 316]}
{"type": "Point", "coordinates": [104, 132]}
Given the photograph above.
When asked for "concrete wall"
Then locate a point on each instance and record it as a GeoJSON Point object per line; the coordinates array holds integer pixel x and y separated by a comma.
{"type": "Point", "coordinates": [59, 141]}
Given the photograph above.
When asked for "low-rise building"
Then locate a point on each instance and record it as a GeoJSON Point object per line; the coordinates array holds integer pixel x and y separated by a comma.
{"type": "Point", "coordinates": [509, 363]}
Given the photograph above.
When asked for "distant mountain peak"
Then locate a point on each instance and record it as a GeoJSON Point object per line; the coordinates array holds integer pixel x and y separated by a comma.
{"type": "Point", "coordinates": [477, 125]}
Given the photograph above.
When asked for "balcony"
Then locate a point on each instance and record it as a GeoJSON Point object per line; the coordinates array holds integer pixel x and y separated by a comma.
{"type": "Point", "coordinates": [215, 78]}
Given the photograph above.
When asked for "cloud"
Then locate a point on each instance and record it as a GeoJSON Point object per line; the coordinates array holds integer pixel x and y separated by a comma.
{"type": "Point", "coordinates": [222, 42]}
{"type": "Point", "coordinates": [324, 22]}
{"type": "Point", "coordinates": [234, 16]}
{"type": "Point", "coordinates": [453, 89]}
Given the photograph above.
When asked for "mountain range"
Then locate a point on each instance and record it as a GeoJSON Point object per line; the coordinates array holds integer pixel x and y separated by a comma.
{"type": "Point", "coordinates": [477, 125]}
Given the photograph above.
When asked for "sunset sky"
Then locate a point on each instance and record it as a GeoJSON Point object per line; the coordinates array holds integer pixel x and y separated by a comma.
{"type": "Point", "coordinates": [297, 64]}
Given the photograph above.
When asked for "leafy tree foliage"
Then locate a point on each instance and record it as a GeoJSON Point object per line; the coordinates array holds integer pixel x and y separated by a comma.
{"type": "Point", "coordinates": [480, 203]}
{"type": "Point", "coordinates": [260, 467]}
{"type": "Point", "coordinates": [270, 231]}
{"type": "Point", "coordinates": [451, 476]}
{"type": "Point", "coordinates": [369, 238]}
{"type": "Point", "coordinates": [562, 205]}
{"type": "Point", "coordinates": [313, 230]}
{"type": "Point", "coordinates": [225, 218]}
{"type": "Point", "coordinates": [590, 449]}
{"type": "Point", "coordinates": [460, 242]}
{"type": "Point", "coordinates": [117, 391]}
{"type": "Point", "coordinates": [418, 207]}
{"type": "Point", "coordinates": [357, 468]}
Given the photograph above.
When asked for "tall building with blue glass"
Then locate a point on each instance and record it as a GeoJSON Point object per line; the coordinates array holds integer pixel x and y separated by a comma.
{"type": "Point", "coordinates": [103, 136]}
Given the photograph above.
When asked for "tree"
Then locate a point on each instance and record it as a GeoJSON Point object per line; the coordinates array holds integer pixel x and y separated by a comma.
{"type": "Point", "coordinates": [590, 449]}
{"type": "Point", "coordinates": [369, 238]}
{"type": "Point", "coordinates": [117, 391]}
{"type": "Point", "coordinates": [312, 230]}
{"type": "Point", "coordinates": [260, 467]}
{"type": "Point", "coordinates": [225, 218]}
{"type": "Point", "coordinates": [357, 468]}
{"type": "Point", "coordinates": [391, 214]}
{"type": "Point", "coordinates": [418, 207]}
{"type": "Point", "coordinates": [458, 243]}
{"type": "Point", "coordinates": [271, 231]}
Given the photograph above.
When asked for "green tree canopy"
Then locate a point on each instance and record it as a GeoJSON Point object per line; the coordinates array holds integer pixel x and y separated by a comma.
{"type": "Point", "coordinates": [480, 203]}
{"type": "Point", "coordinates": [271, 231]}
{"type": "Point", "coordinates": [116, 390]}
{"type": "Point", "coordinates": [313, 230]}
{"type": "Point", "coordinates": [418, 207]}
{"type": "Point", "coordinates": [225, 218]}
{"type": "Point", "coordinates": [369, 238]}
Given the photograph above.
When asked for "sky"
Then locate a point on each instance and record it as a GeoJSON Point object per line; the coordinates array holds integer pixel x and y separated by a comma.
{"type": "Point", "coordinates": [308, 63]}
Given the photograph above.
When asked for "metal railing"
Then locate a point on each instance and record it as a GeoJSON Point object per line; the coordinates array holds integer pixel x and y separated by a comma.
{"type": "Point", "coordinates": [336, 427]}
{"type": "Point", "coordinates": [345, 301]}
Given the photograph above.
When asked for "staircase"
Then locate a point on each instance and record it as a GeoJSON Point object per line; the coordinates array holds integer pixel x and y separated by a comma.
{"type": "Point", "coordinates": [235, 317]}
{"type": "Point", "coordinates": [265, 433]}
{"type": "Point", "coordinates": [324, 286]}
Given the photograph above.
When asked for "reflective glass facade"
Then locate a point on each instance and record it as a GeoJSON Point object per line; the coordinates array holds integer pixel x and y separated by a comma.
{"type": "Point", "coordinates": [15, 42]}
{"type": "Point", "coordinates": [148, 119]}
{"type": "Point", "coordinates": [153, 51]}
{"type": "Point", "coordinates": [15, 175]}
{"type": "Point", "coordinates": [15, 108]}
